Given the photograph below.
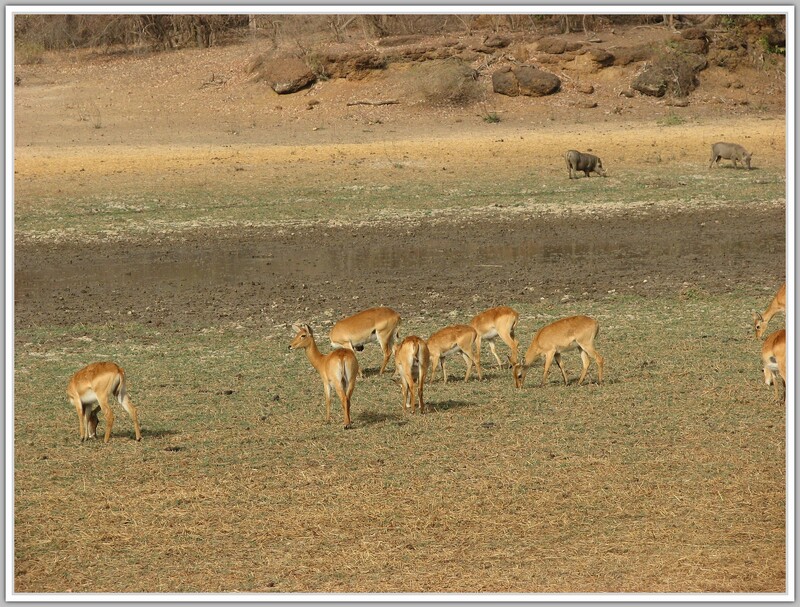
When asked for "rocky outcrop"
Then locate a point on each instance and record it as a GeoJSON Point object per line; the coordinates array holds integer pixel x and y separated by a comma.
{"type": "Point", "coordinates": [353, 64]}
{"type": "Point", "coordinates": [556, 46]}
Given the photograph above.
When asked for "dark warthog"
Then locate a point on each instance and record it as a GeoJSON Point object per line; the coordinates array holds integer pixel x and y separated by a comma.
{"type": "Point", "coordinates": [577, 161]}
{"type": "Point", "coordinates": [729, 151]}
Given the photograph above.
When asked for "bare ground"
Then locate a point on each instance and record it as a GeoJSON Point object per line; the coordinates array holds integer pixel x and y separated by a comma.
{"type": "Point", "coordinates": [261, 274]}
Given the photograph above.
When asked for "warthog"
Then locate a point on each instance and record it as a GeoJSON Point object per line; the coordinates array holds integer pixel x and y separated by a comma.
{"type": "Point", "coordinates": [577, 161]}
{"type": "Point", "coordinates": [729, 151]}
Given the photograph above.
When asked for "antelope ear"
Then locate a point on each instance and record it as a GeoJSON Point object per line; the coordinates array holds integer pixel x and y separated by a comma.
{"type": "Point", "coordinates": [296, 327]}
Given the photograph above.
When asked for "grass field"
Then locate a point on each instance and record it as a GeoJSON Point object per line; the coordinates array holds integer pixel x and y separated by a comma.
{"type": "Point", "coordinates": [670, 475]}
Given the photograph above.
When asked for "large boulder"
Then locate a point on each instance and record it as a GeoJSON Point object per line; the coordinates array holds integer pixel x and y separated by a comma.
{"type": "Point", "coordinates": [283, 74]}
{"type": "Point", "coordinates": [675, 74]}
{"type": "Point", "coordinates": [505, 82]}
{"type": "Point", "coordinates": [525, 80]}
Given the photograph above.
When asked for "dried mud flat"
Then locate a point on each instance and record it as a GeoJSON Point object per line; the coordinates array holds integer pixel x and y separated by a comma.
{"type": "Point", "coordinates": [263, 275]}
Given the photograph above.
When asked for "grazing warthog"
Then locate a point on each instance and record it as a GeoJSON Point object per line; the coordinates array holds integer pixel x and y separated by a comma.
{"type": "Point", "coordinates": [577, 161]}
{"type": "Point", "coordinates": [729, 151]}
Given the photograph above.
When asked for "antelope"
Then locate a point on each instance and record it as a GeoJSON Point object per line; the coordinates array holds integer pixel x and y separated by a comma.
{"type": "Point", "coordinates": [94, 384]}
{"type": "Point", "coordinates": [778, 304]}
{"type": "Point", "coordinates": [496, 322]}
{"type": "Point", "coordinates": [375, 324]}
{"type": "Point", "coordinates": [456, 338]}
{"type": "Point", "coordinates": [773, 358]}
{"type": "Point", "coordinates": [561, 336]}
{"type": "Point", "coordinates": [338, 369]}
{"type": "Point", "coordinates": [411, 360]}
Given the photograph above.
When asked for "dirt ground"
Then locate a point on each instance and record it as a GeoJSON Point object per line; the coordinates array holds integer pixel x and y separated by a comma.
{"type": "Point", "coordinates": [260, 274]}
{"type": "Point", "coordinates": [177, 132]}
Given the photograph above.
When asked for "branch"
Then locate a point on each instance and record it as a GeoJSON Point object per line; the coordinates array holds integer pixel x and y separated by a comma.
{"type": "Point", "coordinates": [387, 102]}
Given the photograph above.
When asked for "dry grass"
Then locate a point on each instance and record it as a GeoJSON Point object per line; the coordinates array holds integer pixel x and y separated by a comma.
{"type": "Point", "coordinates": [668, 478]}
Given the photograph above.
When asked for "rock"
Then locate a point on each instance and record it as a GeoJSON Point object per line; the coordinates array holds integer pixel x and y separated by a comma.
{"type": "Point", "coordinates": [554, 46]}
{"type": "Point", "coordinates": [675, 73]}
{"type": "Point", "coordinates": [653, 82]}
{"type": "Point", "coordinates": [525, 80]}
{"type": "Point", "coordinates": [495, 42]}
{"type": "Point", "coordinates": [286, 75]}
{"type": "Point", "coordinates": [505, 82]}
{"type": "Point", "coordinates": [592, 60]}
{"type": "Point", "coordinates": [632, 54]}
{"type": "Point", "coordinates": [600, 56]}
{"type": "Point", "coordinates": [351, 65]}
{"type": "Point", "coordinates": [585, 88]}
{"type": "Point", "coordinates": [535, 82]}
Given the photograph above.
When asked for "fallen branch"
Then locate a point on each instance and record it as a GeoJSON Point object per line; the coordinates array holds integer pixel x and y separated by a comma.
{"type": "Point", "coordinates": [387, 102]}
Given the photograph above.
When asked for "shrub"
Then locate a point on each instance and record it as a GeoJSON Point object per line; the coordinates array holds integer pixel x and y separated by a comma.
{"type": "Point", "coordinates": [449, 82]}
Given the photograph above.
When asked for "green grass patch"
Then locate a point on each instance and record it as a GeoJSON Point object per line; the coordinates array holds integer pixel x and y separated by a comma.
{"type": "Point", "coordinates": [143, 212]}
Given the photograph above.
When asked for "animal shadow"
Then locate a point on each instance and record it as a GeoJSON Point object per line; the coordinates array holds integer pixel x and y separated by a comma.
{"type": "Point", "coordinates": [369, 418]}
{"type": "Point", "coordinates": [446, 405]}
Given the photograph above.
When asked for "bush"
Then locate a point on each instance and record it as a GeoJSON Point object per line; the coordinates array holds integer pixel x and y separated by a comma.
{"type": "Point", "coordinates": [449, 82]}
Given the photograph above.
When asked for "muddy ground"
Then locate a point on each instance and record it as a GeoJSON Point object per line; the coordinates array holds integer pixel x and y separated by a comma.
{"type": "Point", "coordinates": [262, 275]}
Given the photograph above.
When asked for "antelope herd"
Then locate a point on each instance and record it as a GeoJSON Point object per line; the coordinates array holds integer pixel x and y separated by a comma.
{"type": "Point", "coordinates": [97, 382]}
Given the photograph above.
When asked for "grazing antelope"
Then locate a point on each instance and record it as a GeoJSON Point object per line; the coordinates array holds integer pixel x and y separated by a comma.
{"type": "Point", "coordinates": [95, 383]}
{"type": "Point", "coordinates": [411, 360]}
{"type": "Point", "coordinates": [778, 304]}
{"type": "Point", "coordinates": [337, 368]}
{"type": "Point", "coordinates": [773, 358]}
{"type": "Point", "coordinates": [375, 324]}
{"type": "Point", "coordinates": [561, 336]}
{"type": "Point", "coordinates": [456, 338]}
{"type": "Point", "coordinates": [496, 322]}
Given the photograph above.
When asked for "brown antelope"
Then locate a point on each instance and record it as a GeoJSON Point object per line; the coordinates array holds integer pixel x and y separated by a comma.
{"type": "Point", "coordinates": [773, 358]}
{"type": "Point", "coordinates": [375, 324]}
{"type": "Point", "coordinates": [411, 360]}
{"type": "Point", "coordinates": [96, 383]}
{"type": "Point", "coordinates": [778, 304]}
{"type": "Point", "coordinates": [496, 322]}
{"type": "Point", "coordinates": [456, 338]}
{"type": "Point", "coordinates": [561, 336]}
{"type": "Point", "coordinates": [337, 369]}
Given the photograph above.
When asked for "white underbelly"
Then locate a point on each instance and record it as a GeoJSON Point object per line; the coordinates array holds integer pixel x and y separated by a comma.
{"type": "Point", "coordinates": [89, 397]}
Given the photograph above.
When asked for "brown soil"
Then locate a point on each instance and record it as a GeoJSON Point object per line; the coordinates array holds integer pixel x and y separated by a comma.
{"type": "Point", "coordinates": [263, 275]}
{"type": "Point", "coordinates": [193, 117]}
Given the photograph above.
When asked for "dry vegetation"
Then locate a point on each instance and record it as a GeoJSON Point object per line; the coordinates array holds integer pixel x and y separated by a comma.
{"type": "Point", "coordinates": [670, 477]}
